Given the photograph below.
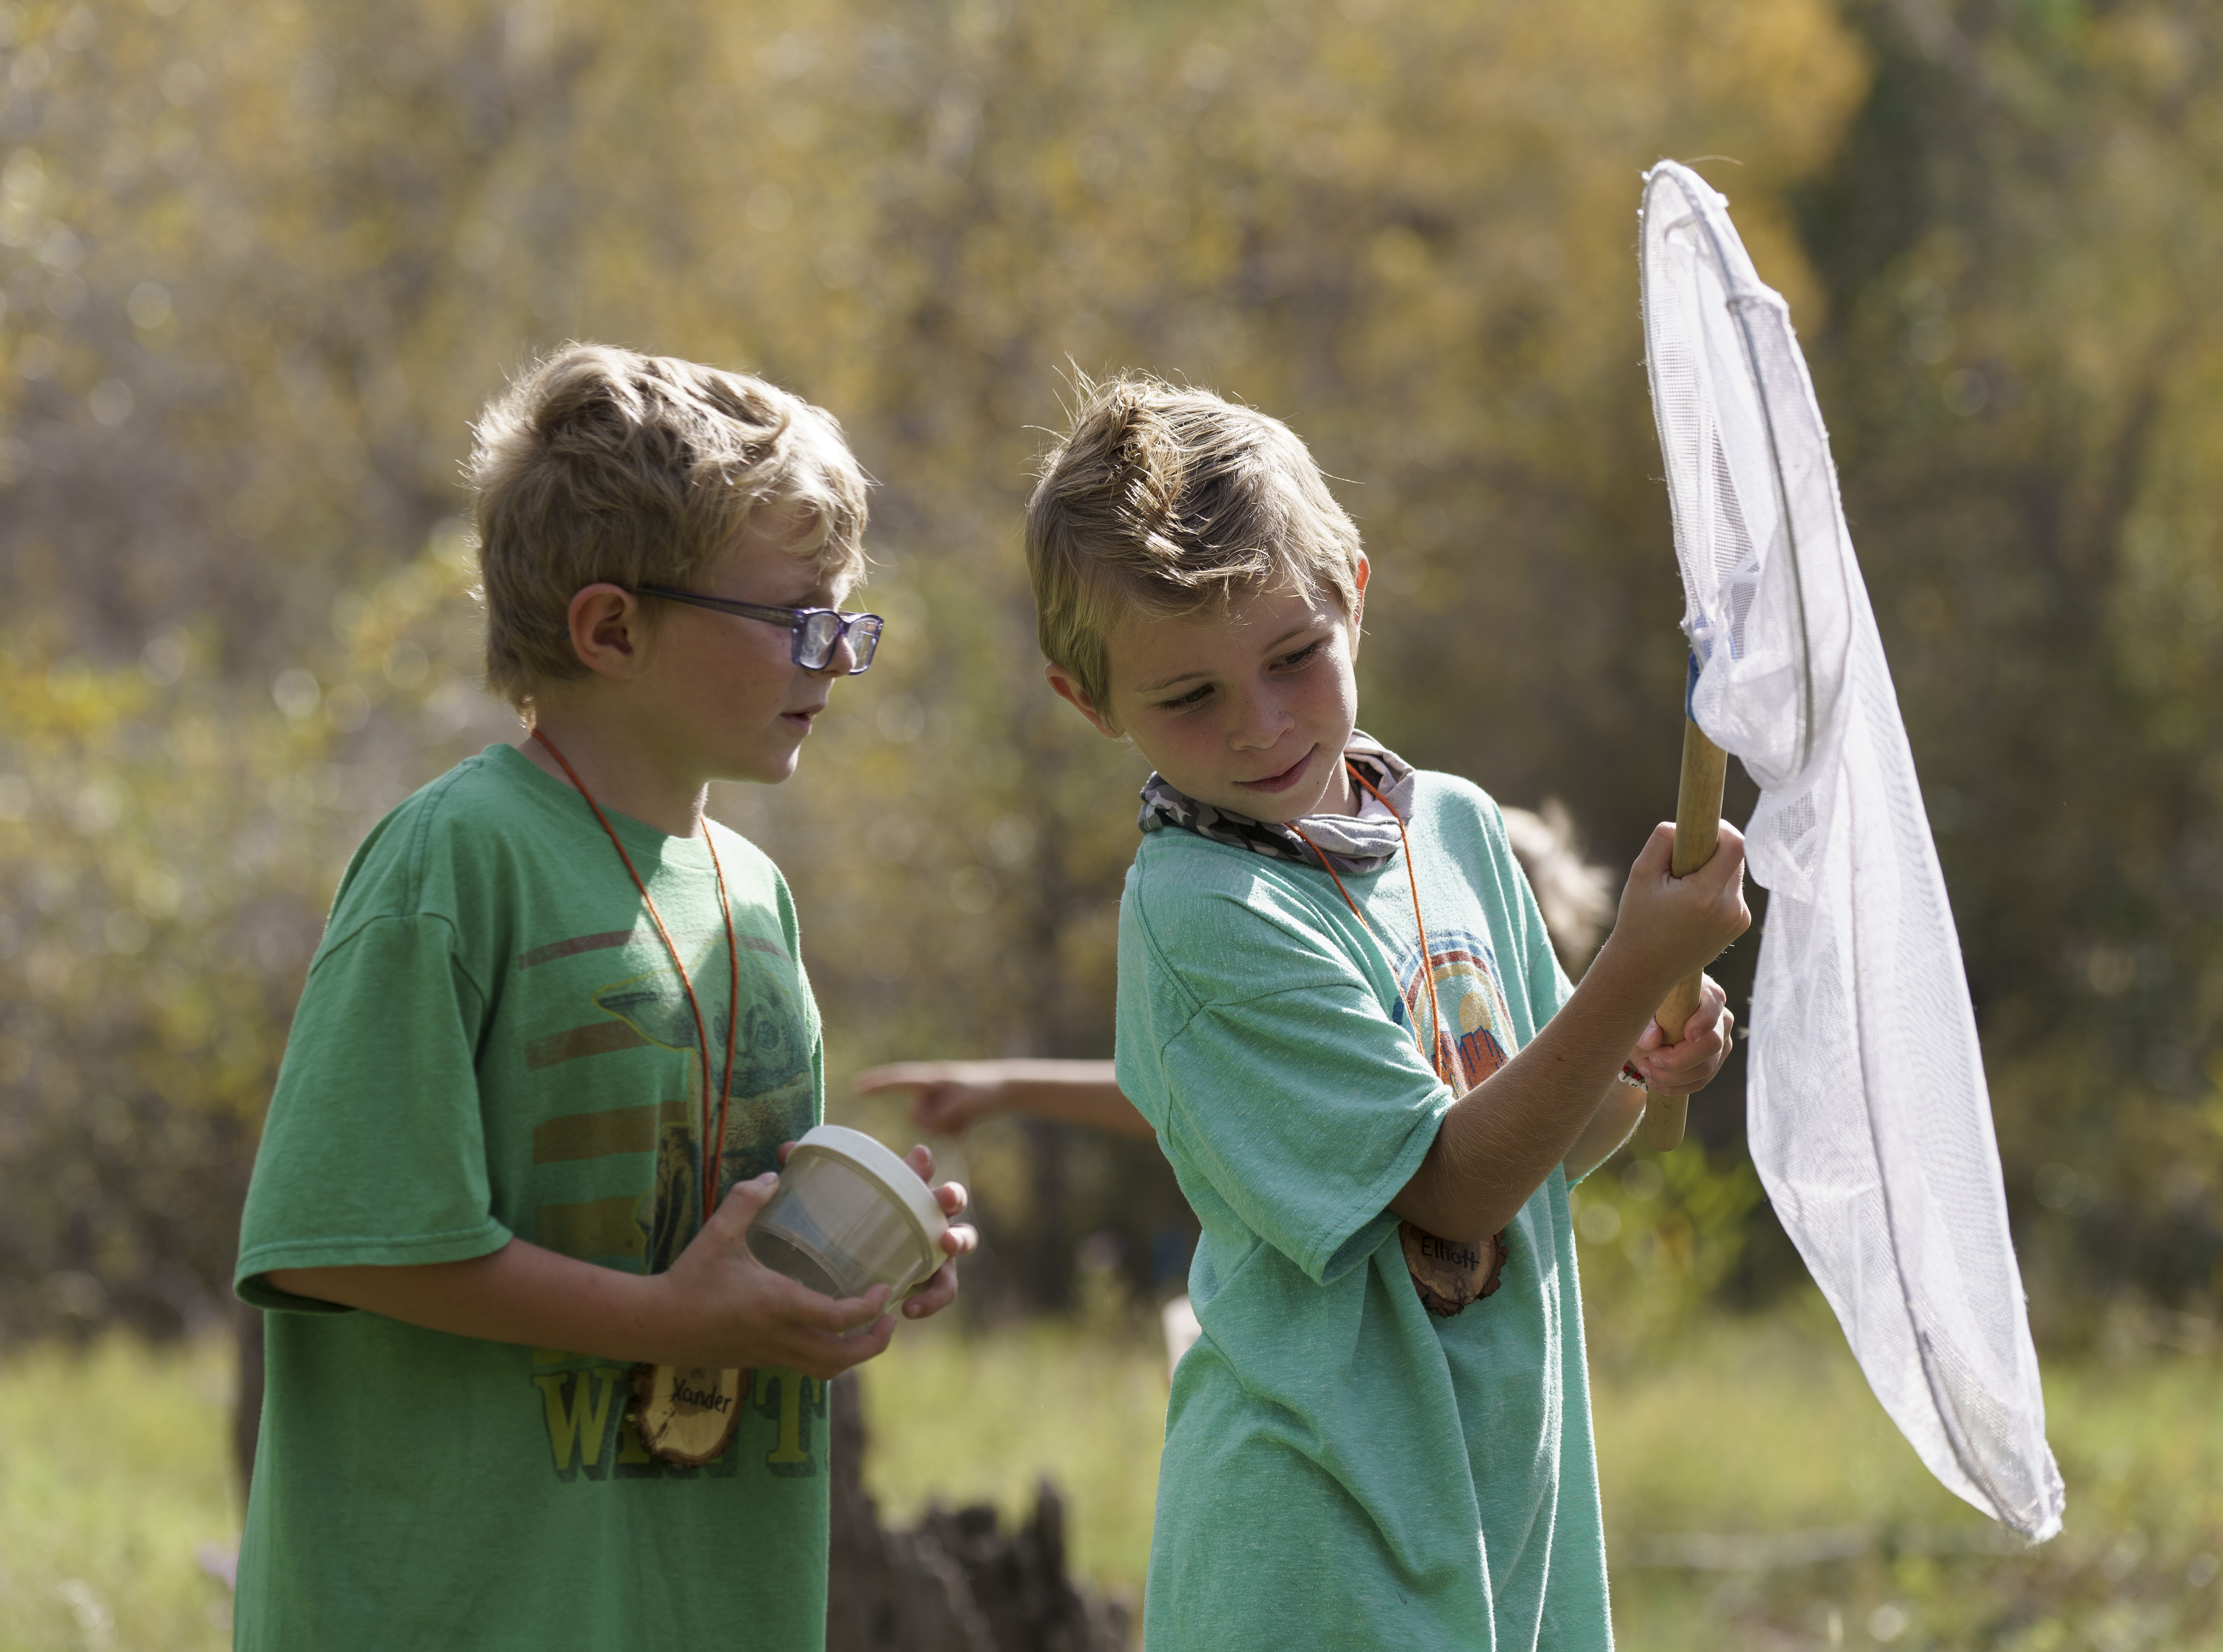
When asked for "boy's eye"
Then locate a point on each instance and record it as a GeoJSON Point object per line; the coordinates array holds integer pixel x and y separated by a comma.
{"type": "Point", "coordinates": [1195, 696]}
{"type": "Point", "coordinates": [1305, 653]}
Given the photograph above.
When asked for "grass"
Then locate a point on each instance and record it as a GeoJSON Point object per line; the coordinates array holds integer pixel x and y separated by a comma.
{"type": "Point", "coordinates": [114, 1471]}
{"type": "Point", "coordinates": [1756, 1497]}
{"type": "Point", "coordinates": [1755, 1494]}
{"type": "Point", "coordinates": [1766, 1430]}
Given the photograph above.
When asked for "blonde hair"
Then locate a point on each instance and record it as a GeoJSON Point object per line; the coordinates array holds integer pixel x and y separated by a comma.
{"type": "Point", "coordinates": [1160, 501]}
{"type": "Point", "coordinates": [599, 464]}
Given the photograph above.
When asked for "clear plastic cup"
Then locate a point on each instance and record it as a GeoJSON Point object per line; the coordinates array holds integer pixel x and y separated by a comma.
{"type": "Point", "coordinates": [849, 1214]}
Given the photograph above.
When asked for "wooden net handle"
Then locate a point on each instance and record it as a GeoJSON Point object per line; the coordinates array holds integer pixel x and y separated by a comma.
{"type": "Point", "coordinates": [1697, 829]}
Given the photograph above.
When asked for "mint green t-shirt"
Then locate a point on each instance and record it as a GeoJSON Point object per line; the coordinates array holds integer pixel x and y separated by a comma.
{"type": "Point", "coordinates": [1341, 1467]}
{"type": "Point", "coordinates": [492, 1044]}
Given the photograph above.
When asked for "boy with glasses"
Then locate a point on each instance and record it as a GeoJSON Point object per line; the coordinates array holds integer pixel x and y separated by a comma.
{"type": "Point", "coordinates": [543, 1072]}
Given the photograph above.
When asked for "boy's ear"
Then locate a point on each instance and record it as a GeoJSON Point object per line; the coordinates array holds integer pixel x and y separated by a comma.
{"type": "Point", "coordinates": [609, 631]}
{"type": "Point", "coordinates": [1062, 680]}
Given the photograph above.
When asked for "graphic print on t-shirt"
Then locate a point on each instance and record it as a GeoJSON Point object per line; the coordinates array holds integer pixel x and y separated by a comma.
{"type": "Point", "coordinates": [1476, 1035]}
{"type": "Point", "coordinates": [590, 1436]}
{"type": "Point", "coordinates": [582, 1401]}
{"type": "Point", "coordinates": [769, 1101]}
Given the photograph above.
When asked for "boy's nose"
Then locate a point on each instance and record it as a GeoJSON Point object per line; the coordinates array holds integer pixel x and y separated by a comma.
{"type": "Point", "coordinates": [1261, 724]}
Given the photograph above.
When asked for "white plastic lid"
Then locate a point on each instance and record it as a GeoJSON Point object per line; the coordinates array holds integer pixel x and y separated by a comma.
{"type": "Point", "coordinates": [864, 1154]}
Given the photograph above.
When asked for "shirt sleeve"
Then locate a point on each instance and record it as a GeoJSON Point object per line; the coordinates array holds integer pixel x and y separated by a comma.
{"type": "Point", "coordinates": [1546, 979]}
{"type": "Point", "coordinates": [1542, 976]}
{"type": "Point", "coordinates": [1305, 1107]}
{"type": "Point", "coordinates": [1548, 986]}
{"type": "Point", "coordinates": [374, 1151]}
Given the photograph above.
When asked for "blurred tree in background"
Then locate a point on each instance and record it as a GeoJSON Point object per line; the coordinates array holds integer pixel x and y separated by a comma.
{"type": "Point", "coordinates": [261, 263]}
{"type": "Point", "coordinates": [2021, 235]}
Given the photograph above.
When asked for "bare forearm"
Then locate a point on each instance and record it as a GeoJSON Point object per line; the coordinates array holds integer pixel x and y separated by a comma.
{"type": "Point", "coordinates": [716, 1306]}
{"type": "Point", "coordinates": [1619, 1112]}
{"type": "Point", "coordinates": [1500, 1141]}
{"type": "Point", "coordinates": [520, 1293]}
{"type": "Point", "coordinates": [1074, 1092]}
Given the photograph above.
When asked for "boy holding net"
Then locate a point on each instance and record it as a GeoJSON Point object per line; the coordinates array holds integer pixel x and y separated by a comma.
{"type": "Point", "coordinates": [1340, 1013]}
{"type": "Point", "coordinates": [549, 982]}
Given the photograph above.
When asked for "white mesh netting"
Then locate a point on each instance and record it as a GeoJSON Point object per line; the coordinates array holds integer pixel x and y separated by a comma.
{"type": "Point", "coordinates": [1869, 1119]}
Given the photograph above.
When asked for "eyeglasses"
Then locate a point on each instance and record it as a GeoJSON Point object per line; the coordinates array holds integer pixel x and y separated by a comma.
{"type": "Point", "coordinates": [816, 633]}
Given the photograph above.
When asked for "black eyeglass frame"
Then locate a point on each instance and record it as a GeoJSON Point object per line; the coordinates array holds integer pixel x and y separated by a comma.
{"type": "Point", "coordinates": [866, 627]}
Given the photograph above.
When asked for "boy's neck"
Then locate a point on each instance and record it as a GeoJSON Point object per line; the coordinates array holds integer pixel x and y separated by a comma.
{"type": "Point", "coordinates": [617, 772]}
{"type": "Point", "coordinates": [1342, 797]}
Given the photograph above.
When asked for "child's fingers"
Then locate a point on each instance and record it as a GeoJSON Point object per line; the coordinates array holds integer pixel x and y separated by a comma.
{"type": "Point", "coordinates": [897, 1075]}
{"type": "Point", "coordinates": [744, 1199]}
{"type": "Point", "coordinates": [928, 1084]}
{"type": "Point", "coordinates": [938, 1292]}
{"type": "Point", "coordinates": [1712, 1021]}
{"type": "Point", "coordinates": [952, 1198]}
{"type": "Point", "coordinates": [920, 1159]}
{"type": "Point", "coordinates": [815, 1353]}
{"type": "Point", "coordinates": [1657, 858]}
{"type": "Point", "coordinates": [936, 1295]}
{"type": "Point", "coordinates": [1712, 1005]}
{"type": "Point", "coordinates": [961, 1240]}
{"type": "Point", "coordinates": [806, 1309]}
{"type": "Point", "coordinates": [1726, 869]}
{"type": "Point", "coordinates": [1691, 1065]}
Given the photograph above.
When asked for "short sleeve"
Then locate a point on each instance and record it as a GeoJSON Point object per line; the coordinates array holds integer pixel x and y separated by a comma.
{"type": "Point", "coordinates": [1546, 979]}
{"type": "Point", "coordinates": [1307, 1110]}
{"type": "Point", "coordinates": [374, 1153]}
{"type": "Point", "coordinates": [1548, 986]}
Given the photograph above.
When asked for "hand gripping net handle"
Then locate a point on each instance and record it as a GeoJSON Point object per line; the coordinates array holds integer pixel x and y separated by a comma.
{"type": "Point", "coordinates": [1698, 830]}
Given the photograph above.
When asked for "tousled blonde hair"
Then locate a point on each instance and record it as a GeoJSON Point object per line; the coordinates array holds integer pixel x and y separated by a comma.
{"type": "Point", "coordinates": [1162, 500]}
{"type": "Point", "coordinates": [600, 464]}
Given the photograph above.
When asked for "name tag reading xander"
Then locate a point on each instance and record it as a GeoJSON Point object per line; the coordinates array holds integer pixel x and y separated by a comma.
{"type": "Point", "coordinates": [1449, 1274]}
{"type": "Point", "coordinates": [686, 1414]}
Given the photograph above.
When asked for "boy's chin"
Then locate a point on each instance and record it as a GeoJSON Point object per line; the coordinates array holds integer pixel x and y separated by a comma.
{"type": "Point", "coordinates": [764, 768]}
{"type": "Point", "coordinates": [1273, 808]}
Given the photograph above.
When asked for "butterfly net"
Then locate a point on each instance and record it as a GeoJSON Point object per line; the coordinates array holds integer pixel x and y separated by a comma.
{"type": "Point", "coordinates": [1869, 1119]}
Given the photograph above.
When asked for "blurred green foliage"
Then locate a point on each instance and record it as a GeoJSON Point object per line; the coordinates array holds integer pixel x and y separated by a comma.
{"type": "Point", "coordinates": [1660, 1235]}
{"type": "Point", "coordinates": [262, 262]}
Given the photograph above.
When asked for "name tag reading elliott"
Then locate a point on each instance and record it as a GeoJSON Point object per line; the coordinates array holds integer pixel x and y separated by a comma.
{"type": "Point", "coordinates": [1449, 1274]}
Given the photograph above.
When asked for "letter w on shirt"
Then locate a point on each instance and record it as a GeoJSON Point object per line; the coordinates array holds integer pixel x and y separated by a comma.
{"type": "Point", "coordinates": [578, 1426]}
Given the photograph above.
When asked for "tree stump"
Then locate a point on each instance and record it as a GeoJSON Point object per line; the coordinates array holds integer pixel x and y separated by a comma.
{"type": "Point", "coordinates": [957, 1583]}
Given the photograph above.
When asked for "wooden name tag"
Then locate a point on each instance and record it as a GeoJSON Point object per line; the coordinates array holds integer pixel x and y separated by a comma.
{"type": "Point", "coordinates": [686, 1414]}
{"type": "Point", "coordinates": [1449, 1273]}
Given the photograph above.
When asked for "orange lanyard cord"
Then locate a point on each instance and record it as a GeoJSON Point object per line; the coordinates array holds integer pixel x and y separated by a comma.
{"type": "Point", "coordinates": [710, 1158]}
{"type": "Point", "coordinates": [1427, 965]}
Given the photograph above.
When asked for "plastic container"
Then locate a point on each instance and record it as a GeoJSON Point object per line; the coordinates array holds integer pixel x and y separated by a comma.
{"type": "Point", "coordinates": [849, 1214]}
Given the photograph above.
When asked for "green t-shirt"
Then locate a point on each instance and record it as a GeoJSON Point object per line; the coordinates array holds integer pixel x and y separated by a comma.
{"type": "Point", "coordinates": [493, 1043]}
{"type": "Point", "coordinates": [1341, 1467]}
